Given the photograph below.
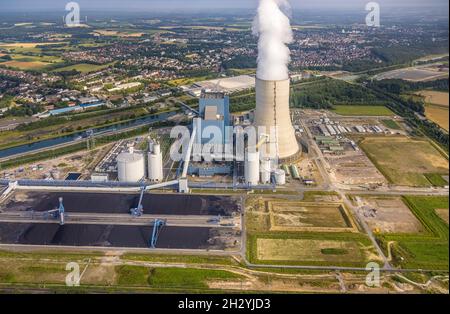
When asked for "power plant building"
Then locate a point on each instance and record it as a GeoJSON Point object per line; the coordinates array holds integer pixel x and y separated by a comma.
{"type": "Point", "coordinates": [214, 118]}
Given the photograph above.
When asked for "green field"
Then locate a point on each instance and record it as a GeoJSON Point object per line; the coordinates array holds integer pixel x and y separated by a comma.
{"type": "Point", "coordinates": [310, 248]}
{"type": "Point", "coordinates": [83, 68]}
{"type": "Point", "coordinates": [179, 278]}
{"type": "Point", "coordinates": [436, 179]}
{"type": "Point", "coordinates": [425, 251]}
{"type": "Point", "coordinates": [348, 110]}
{"type": "Point", "coordinates": [405, 161]}
{"type": "Point", "coordinates": [191, 259]}
{"type": "Point", "coordinates": [391, 124]}
{"type": "Point", "coordinates": [31, 62]}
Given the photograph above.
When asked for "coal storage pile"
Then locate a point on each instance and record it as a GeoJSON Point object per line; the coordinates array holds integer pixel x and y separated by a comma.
{"type": "Point", "coordinates": [119, 236]}
{"type": "Point", "coordinates": [116, 203]}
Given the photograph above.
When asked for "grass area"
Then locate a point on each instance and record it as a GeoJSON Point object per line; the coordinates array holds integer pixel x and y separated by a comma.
{"type": "Point", "coordinates": [404, 161]}
{"type": "Point", "coordinates": [308, 216]}
{"type": "Point", "coordinates": [311, 196]}
{"type": "Point", "coordinates": [189, 259]}
{"type": "Point", "coordinates": [26, 65]}
{"type": "Point", "coordinates": [83, 68]}
{"type": "Point", "coordinates": [31, 62]}
{"type": "Point", "coordinates": [189, 80]}
{"type": "Point", "coordinates": [185, 278]}
{"type": "Point", "coordinates": [70, 256]}
{"type": "Point", "coordinates": [436, 179]}
{"type": "Point", "coordinates": [391, 124]}
{"type": "Point", "coordinates": [349, 110]}
{"type": "Point", "coordinates": [37, 268]}
{"type": "Point", "coordinates": [308, 248]}
{"type": "Point", "coordinates": [429, 250]}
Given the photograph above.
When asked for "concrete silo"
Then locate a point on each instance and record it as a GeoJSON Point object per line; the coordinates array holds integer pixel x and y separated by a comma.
{"type": "Point", "coordinates": [265, 171]}
{"type": "Point", "coordinates": [130, 167]}
{"type": "Point", "coordinates": [280, 177]}
{"type": "Point", "coordinates": [251, 168]}
{"type": "Point", "coordinates": [155, 163]}
{"type": "Point", "coordinates": [272, 110]}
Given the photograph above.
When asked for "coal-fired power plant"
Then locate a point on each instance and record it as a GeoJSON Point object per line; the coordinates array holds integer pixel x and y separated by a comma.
{"type": "Point", "coordinates": [272, 110]}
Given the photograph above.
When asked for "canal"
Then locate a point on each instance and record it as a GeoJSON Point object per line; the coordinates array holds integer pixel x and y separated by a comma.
{"type": "Point", "coordinates": [76, 137]}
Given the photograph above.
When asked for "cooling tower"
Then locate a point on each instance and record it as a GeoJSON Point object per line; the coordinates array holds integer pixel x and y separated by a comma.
{"type": "Point", "coordinates": [272, 109]}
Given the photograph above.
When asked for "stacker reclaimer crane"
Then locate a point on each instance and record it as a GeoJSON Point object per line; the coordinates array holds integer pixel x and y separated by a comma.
{"type": "Point", "coordinates": [139, 210]}
{"type": "Point", "coordinates": [58, 212]}
{"type": "Point", "coordinates": [157, 226]}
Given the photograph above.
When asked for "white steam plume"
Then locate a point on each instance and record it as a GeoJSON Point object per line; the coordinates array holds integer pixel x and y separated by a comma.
{"type": "Point", "coordinates": [274, 30]}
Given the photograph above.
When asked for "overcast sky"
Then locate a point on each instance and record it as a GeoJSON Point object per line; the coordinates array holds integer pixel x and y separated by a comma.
{"type": "Point", "coordinates": [155, 5]}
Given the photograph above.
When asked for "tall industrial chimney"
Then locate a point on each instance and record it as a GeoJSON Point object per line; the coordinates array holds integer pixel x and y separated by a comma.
{"type": "Point", "coordinates": [272, 110]}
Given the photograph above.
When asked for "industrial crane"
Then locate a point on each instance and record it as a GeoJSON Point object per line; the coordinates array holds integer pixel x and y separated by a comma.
{"type": "Point", "coordinates": [58, 212]}
{"type": "Point", "coordinates": [139, 210]}
{"type": "Point", "coordinates": [157, 226]}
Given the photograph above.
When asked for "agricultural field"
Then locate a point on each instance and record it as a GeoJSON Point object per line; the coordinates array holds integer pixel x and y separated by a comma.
{"type": "Point", "coordinates": [438, 115]}
{"type": "Point", "coordinates": [405, 161]}
{"type": "Point", "coordinates": [435, 98]}
{"type": "Point", "coordinates": [428, 249]}
{"type": "Point", "coordinates": [348, 110]}
{"type": "Point", "coordinates": [25, 62]}
{"type": "Point", "coordinates": [25, 47]}
{"type": "Point", "coordinates": [115, 33]}
{"type": "Point", "coordinates": [26, 65]}
{"type": "Point", "coordinates": [436, 107]}
{"type": "Point", "coordinates": [282, 231]}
